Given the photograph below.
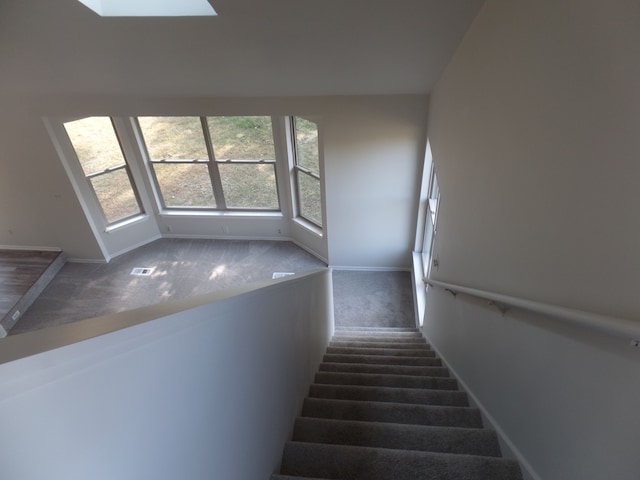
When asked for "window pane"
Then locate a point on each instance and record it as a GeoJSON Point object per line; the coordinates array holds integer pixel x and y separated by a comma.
{"type": "Point", "coordinates": [95, 143]}
{"type": "Point", "coordinates": [241, 138]}
{"type": "Point", "coordinates": [434, 196]}
{"type": "Point", "coordinates": [310, 201]}
{"type": "Point", "coordinates": [427, 244]}
{"type": "Point", "coordinates": [249, 185]}
{"type": "Point", "coordinates": [184, 184]}
{"type": "Point", "coordinates": [115, 194]}
{"type": "Point", "coordinates": [173, 137]}
{"type": "Point", "coordinates": [307, 144]}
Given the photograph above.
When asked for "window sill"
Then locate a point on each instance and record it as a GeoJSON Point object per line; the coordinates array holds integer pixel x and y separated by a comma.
{"type": "Point", "coordinates": [220, 214]}
{"type": "Point", "coordinates": [126, 222]}
{"type": "Point", "coordinates": [309, 226]}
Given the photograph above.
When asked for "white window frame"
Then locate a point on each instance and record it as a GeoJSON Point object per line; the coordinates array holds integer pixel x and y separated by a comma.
{"type": "Point", "coordinates": [430, 223]}
{"type": "Point", "coordinates": [156, 221]}
{"type": "Point", "coordinates": [296, 170]}
{"type": "Point", "coordinates": [428, 208]}
{"type": "Point", "coordinates": [214, 173]}
{"type": "Point", "coordinates": [82, 184]}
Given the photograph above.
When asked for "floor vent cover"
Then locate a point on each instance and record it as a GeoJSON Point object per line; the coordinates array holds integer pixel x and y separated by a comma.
{"type": "Point", "coordinates": [142, 271]}
{"type": "Point", "coordinates": [281, 274]}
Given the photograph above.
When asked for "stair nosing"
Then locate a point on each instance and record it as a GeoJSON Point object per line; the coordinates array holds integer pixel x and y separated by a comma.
{"type": "Point", "coordinates": [415, 426]}
{"type": "Point", "coordinates": [404, 377]}
{"type": "Point", "coordinates": [452, 456]}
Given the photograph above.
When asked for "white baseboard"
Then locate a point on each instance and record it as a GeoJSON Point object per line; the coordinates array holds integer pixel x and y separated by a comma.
{"type": "Point", "coordinates": [308, 250]}
{"type": "Point", "coordinates": [30, 247]}
{"type": "Point", "coordinates": [509, 449]}
{"type": "Point", "coordinates": [278, 238]}
{"type": "Point", "coordinates": [133, 247]}
{"type": "Point", "coordinates": [369, 269]}
{"type": "Point", "coordinates": [86, 260]}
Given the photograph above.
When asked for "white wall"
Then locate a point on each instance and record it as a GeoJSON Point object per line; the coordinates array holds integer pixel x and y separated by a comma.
{"type": "Point", "coordinates": [36, 199]}
{"type": "Point", "coordinates": [534, 132]}
{"type": "Point", "coordinates": [61, 59]}
{"type": "Point", "coordinates": [210, 392]}
{"type": "Point", "coordinates": [566, 398]}
{"type": "Point", "coordinates": [372, 152]}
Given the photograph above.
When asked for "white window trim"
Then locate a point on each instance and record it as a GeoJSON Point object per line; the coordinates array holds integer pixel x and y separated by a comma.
{"type": "Point", "coordinates": [214, 172]}
{"type": "Point", "coordinates": [293, 168]}
{"type": "Point", "coordinates": [419, 272]}
{"type": "Point", "coordinates": [111, 238]}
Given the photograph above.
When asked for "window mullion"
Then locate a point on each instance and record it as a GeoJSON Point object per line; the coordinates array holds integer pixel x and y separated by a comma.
{"type": "Point", "coordinates": [307, 180]}
{"type": "Point", "coordinates": [214, 171]}
{"type": "Point", "coordinates": [296, 172]}
{"type": "Point", "coordinates": [125, 165]}
{"type": "Point", "coordinates": [107, 170]}
{"type": "Point", "coordinates": [305, 170]}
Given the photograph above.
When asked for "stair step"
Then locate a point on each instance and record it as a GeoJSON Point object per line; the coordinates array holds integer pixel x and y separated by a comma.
{"type": "Point", "coordinates": [277, 476]}
{"type": "Point", "coordinates": [21, 299]}
{"type": "Point", "coordinates": [393, 345]}
{"type": "Point", "coordinates": [471, 441]}
{"type": "Point", "coordinates": [380, 337]}
{"type": "Point", "coordinates": [390, 394]}
{"type": "Point", "coordinates": [390, 352]}
{"type": "Point", "coordinates": [367, 463]}
{"type": "Point", "coordinates": [401, 413]}
{"type": "Point", "coordinates": [381, 359]}
{"type": "Point", "coordinates": [382, 380]}
{"type": "Point", "coordinates": [351, 333]}
{"type": "Point", "coordinates": [378, 329]}
{"type": "Point", "coordinates": [385, 369]}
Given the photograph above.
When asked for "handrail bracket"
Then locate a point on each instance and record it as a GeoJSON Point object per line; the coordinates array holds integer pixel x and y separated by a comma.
{"type": "Point", "coordinates": [500, 306]}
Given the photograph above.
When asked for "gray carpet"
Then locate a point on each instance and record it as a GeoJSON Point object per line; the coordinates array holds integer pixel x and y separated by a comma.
{"type": "Point", "coordinates": [186, 267]}
{"type": "Point", "coordinates": [378, 411]}
{"type": "Point", "coordinates": [182, 268]}
{"type": "Point", "coordinates": [382, 407]}
{"type": "Point", "coordinates": [373, 299]}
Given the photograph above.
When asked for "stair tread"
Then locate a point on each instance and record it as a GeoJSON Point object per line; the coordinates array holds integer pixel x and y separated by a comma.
{"type": "Point", "coordinates": [368, 344]}
{"type": "Point", "coordinates": [376, 329]}
{"type": "Point", "coordinates": [379, 338]}
{"type": "Point", "coordinates": [382, 368]}
{"type": "Point", "coordinates": [390, 394]}
{"type": "Point", "coordinates": [370, 463]}
{"type": "Point", "coordinates": [382, 351]}
{"type": "Point", "coordinates": [277, 476]}
{"type": "Point", "coordinates": [381, 359]}
{"type": "Point", "coordinates": [474, 441]}
{"type": "Point", "coordinates": [386, 380]}
{"type": "Point", "coordinates": [392, 412]}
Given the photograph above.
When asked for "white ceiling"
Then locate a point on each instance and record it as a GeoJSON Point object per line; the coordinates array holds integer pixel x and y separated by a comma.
{"type": "Point", "coordinates": [253, 47]}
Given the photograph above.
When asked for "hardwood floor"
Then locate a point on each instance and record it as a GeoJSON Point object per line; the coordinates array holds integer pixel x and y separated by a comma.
{"type": "Point", "coordinates": [19, 270]}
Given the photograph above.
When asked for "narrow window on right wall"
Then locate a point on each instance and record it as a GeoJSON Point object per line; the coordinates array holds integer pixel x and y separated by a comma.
{"type": "Point", "coordinates": [306, 170]}
{"type": "Point", "coordinates": [429, 236]}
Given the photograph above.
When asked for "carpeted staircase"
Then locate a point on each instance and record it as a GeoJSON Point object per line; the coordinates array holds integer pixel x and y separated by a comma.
{"type": "Point", "coordinates": [383, 407]}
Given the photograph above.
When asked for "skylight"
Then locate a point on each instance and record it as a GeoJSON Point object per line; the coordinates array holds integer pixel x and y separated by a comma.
{"type": "Point", "coordinates": [150, 8]}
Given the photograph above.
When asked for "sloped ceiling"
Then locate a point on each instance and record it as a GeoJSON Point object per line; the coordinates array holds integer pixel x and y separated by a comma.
{"type": "Point", "coordinates": [252, 48]}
